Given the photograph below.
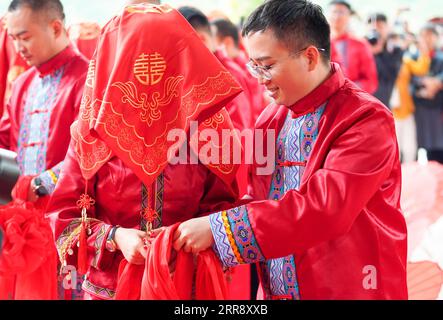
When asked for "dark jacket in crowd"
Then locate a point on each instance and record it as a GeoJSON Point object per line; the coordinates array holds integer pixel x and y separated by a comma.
{"type": "Point", "coordinates": [388, 65]}
{"type": "Point", "coordinates": [428, 112]}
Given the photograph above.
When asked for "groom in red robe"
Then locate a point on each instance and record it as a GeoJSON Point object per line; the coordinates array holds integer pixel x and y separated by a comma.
{"type": "Point", "coordinates": [326, 223]}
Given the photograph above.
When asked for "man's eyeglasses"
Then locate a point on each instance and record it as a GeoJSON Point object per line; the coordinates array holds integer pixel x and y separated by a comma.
{"type": "Point", "coordinates": [265, 71]}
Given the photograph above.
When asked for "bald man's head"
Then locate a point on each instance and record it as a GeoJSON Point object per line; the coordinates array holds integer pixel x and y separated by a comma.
{"type": "Point", "coordinates": [37, 29]}
{"type": "Point", "coordinates": [48, 9]}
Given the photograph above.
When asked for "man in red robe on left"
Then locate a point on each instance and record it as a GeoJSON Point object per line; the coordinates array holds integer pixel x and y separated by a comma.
{"type": "Point", "coordinates": [44, 102]}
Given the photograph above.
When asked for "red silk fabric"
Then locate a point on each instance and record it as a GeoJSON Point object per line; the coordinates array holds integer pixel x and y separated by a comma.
{"type": "Point", "coordinates": [28, 261]}
{"type": "Point", "coordinates": [167, 276]}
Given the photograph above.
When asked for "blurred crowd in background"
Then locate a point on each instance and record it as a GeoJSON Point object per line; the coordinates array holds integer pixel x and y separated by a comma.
{"type": "Point", "coordinates": [400, 65]}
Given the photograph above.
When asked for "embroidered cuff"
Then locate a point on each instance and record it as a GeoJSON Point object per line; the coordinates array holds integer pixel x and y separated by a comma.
{"type": "Point", "coordinates": [234, 237]}
{"type": "Point", "coordinates": [98, 292]}
{"type": "Point", "coordinates": [67, 245]}
{"type": "Point", "coordinates": [223, 248]}
{"type": "Point", "coordinates": [49, 178]}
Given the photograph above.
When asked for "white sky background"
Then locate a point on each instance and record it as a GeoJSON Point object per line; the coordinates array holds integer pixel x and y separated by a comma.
{"type": "Point", "coordinates": [102, 10]}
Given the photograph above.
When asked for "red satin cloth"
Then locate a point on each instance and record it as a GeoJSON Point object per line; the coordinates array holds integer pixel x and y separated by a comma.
{"type": "Point", "coordinates": [28, 261]}
{"type": "Point", "coordinates": [346, 216]}
{"type": "Point", "coordinates": [167, 277]}
{"type": "Point", "coordinates": [138, 91]}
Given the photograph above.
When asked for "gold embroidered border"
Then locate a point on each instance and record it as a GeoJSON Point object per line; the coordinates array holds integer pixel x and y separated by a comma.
{"type": "Point", "coordinates": [197, 97]}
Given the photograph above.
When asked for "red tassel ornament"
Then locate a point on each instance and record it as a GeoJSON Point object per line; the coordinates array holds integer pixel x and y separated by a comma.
{"type": "Point", "coordinates": [85, 203]}
{"type": "Point", "coordinates": [83, 246]}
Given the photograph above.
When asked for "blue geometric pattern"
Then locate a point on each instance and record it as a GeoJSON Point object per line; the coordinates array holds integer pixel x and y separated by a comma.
{"type": "Point", "coordinates": [309, 132]}
{"type": "Point", "coordinates": [243, 235]}
{"type": "Point", "coordinates": [224, 249]}
{"type": "Point", "coordinates": [294, 144]}
{"type": "Point", "coordinates": [275, 266]}
{"type": "Point", "coordinates": [277, 184]}
{"type": "Point", "coordinates": [290, 277]}
{"type": "Point", "coordinates": [292, 177]}
{"type": "Point", "coordinates": [34, 130]}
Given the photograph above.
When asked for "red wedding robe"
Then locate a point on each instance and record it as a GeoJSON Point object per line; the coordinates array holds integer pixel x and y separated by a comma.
{"type": "Point", "coordinates": [137, 92]}
{"type": "Point", "coordinates": [63, 109]}
{"type": "Point", "coordinates": [344, 225]}
{"type": "Point", "coordinates": [182, 192]}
